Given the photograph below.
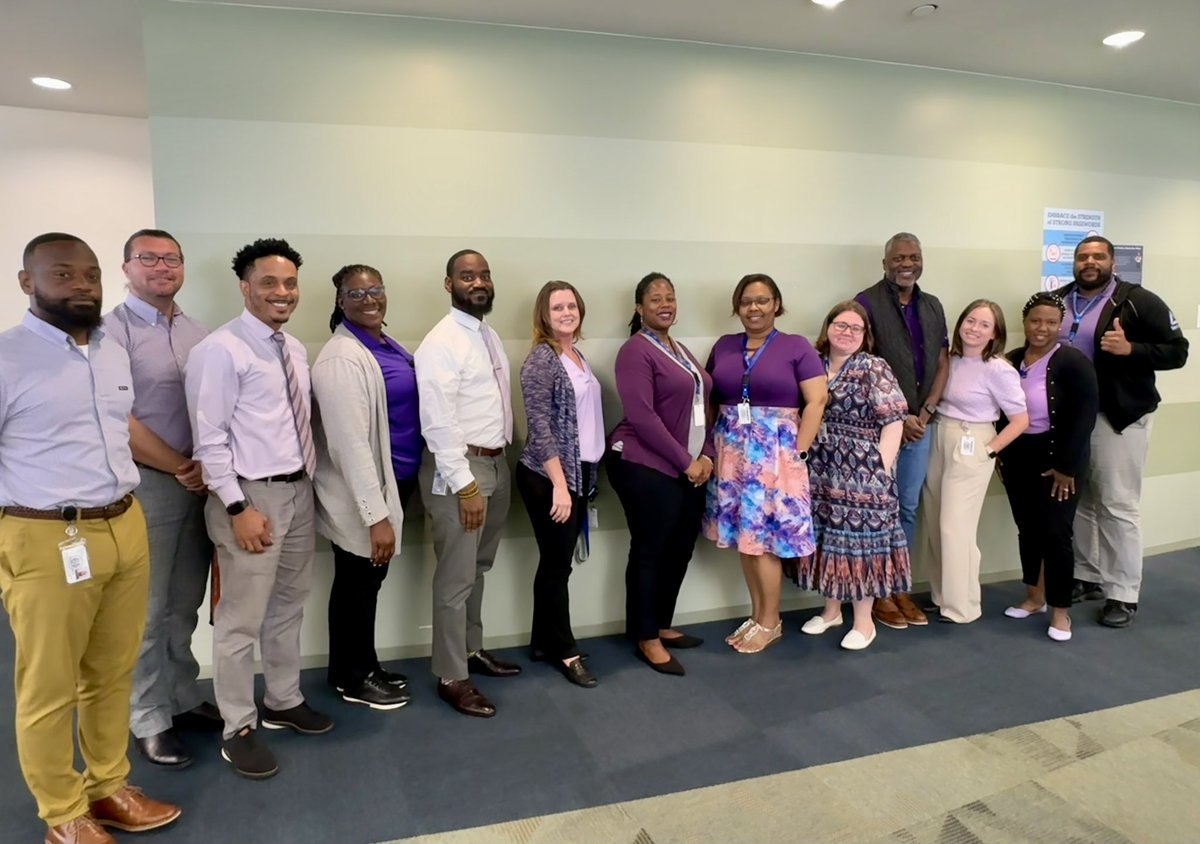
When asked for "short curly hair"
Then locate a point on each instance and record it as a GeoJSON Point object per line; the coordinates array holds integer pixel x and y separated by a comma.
{"type": "Point", "coordinates": [265, 247]}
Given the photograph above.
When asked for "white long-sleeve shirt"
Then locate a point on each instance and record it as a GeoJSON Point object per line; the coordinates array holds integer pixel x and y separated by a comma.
{"type": "Point", "coordinates": [460, 399]}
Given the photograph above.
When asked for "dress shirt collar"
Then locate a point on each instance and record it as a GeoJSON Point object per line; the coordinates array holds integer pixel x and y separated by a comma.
{"type": "Point", "coordinates": [256, 326]}
{"type": "Point", "coordinates": [366, 339]}
{"type": "Point", "coordinates": [466, 320]}
{"type": "Point", "coordinates": [52, 335]}
{"type": "Point", "coordinates": [148, 312]}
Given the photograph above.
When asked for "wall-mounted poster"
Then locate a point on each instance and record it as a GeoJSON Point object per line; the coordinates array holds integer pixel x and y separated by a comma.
{"type": "Point", "coordinates": [1062, 229]}
{"type": "Point", "coordinates": [1127, 262]}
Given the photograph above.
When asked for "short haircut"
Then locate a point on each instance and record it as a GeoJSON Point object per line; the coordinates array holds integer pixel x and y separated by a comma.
{"type": "Point", "coordinates": [900, 237]}
{"type": "Point", "coordinates": [995, 346]}
{"type": "Point", "coordinates": [263, 248]}
{"type": "Point", "coordinates": [454, 259]}
{"type": "Point", "coordinates": [1095, 238]}
{"type": "Point", "coordinates": [868, 343]}
{"type": "Point", "coordinates": [542, 332]}
{"type": "Point", "coordinates": [127, 252]}
{"type": "Point", "coordinates": [757, 278]}
{"type": "Point", "coordinates": [48, 237]}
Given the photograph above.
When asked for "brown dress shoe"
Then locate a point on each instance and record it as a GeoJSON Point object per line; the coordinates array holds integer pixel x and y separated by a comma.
{"type": "Point", "coordinates": [80, 830]}
{"type": "Point", "coordinates": [912, 613]}
{"type": "Point", "coordinates": [467, 699]}
{"type": "Point", "coordinates": [132, 811]}
{"type": "Point", "coordinates": [888, 614]}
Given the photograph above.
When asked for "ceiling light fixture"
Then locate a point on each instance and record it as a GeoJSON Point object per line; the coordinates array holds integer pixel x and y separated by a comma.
{"type": "Point", "coordinates": [1123, 39]}
{"type": "Point", "coordinates": [924, 11]}
{"type": "Point", "coordinates": [828, 4]}
{"type": "Point", "coordinates": [51, 83]}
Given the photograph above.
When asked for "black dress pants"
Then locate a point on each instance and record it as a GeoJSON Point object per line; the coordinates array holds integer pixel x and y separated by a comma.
{"type": "Point", "coordinates": [1045, 525]}
{"type": "Point", "coordinates": [352, 603]}
{"type": "Point", "coordinates": [664, 516]}
{"type": "Point", "coordinates": [551, 631]}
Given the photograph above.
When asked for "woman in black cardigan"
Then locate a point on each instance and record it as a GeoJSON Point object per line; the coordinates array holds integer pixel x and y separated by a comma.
{"type": "Point", "coordinates": [1039, 468]}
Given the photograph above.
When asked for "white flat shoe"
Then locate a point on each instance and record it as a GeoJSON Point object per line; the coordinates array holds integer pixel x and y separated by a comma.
{"type": "Point", "coordinates": [816, 625]}
{"type": "Point", "coordinates": [1058, 635]}
{"type": "Point", "coordinates": [1017, 612]}
{"type": "Point", "coordinates": [855, 641]}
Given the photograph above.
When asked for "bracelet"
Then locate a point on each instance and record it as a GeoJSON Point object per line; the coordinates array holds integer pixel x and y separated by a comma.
{"type": "Point", "coordinates": [469, 491]}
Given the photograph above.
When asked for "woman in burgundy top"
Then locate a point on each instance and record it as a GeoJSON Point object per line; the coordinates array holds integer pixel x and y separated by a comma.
{"type": "Point", "coordinates": [659, 462]}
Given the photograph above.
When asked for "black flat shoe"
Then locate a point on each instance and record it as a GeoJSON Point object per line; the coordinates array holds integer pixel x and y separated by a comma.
{"type": "Point", "coordinates": [681, 642]}
{"type": "Point", "coordinates": [165, 749]}
{"type": "Point", "coordinates": [577, 673]}
{"type": "Point", "coordinates": [672, 666]}
{"type": "Point", "coordinates": [537, 655]}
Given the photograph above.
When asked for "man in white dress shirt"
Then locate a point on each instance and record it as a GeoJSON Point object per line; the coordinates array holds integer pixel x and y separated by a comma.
{"type": "Point", "coordinates": [466, 418]}
{"type": "Point", "coordinates": [250, 401]}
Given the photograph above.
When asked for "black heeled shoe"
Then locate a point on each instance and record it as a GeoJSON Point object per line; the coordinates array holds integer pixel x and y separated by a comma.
{"type": "Point", "coordinates": [672, 666]}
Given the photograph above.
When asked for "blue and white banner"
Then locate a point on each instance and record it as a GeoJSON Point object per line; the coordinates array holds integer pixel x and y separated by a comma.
{"type": "Point", "coordinates": [1062, 229]}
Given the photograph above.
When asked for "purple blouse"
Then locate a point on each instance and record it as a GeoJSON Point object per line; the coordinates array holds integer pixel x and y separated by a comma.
{"type": "Point", "coordinates": [1033, 382]}
{"type": "Point", "coordinates": [1088, 312]}
{"type": "Point", "coordinates": [400, 383]}
{"type": "Point", "coordinates": [774, 379]}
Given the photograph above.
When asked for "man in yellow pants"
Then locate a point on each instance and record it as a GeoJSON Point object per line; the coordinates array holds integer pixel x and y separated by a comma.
{"type": "Point", "coordinates": [74, 563]}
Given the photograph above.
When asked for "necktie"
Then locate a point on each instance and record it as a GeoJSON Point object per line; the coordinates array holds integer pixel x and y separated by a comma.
{"type": "Point", "coordinates": [299, 409]}
{"type": "Point", "coordinates": [497, 356]}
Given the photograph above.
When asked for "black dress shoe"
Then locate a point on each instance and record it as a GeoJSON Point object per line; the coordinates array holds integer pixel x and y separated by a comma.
{"type": "Point", "coordinates": [165, 749]}
{"type": "Point", "coordinates": [205, 718]}
{"type": "Point", "coordinates": [1117, 614]}
{"type": "Point", "coordinates": [467, 699]}
{"type": "Point", "coordinates": [577, 673]}
{"type": "Point", "coordinates": [1085, 591]}
{"type": "Point", "coordinates": [681, 642]}
{"type": "Point", "coordinates": [482, 662]}
{"type": "Point", "coordinates": [377, 694]}
{"type": "Point", "coordinates": [538, 655]}
{"type": "Point", "coordinates": [672, 666]}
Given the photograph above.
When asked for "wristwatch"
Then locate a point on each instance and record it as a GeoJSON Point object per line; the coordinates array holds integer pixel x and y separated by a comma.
{"type": "Point", "coordinates": [990, 453]}
{"type": "Point", "coordinates": [803, 455]}
{"type": "Point", "coordinates": [237, 507]}
{"type": "Point", "coordinates": [930, 409]}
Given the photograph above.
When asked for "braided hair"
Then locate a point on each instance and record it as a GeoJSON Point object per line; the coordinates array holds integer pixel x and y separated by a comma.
{"type": "Point", "coordinates": [1044, 297]}
{"type": "Point", "coordinates": [339, 278]}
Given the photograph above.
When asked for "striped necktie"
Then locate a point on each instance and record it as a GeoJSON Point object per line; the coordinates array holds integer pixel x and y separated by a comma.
{"type": "Point", "coordinates": [497, 356]}
{"type": "Point", "coordinates": [299, 408]}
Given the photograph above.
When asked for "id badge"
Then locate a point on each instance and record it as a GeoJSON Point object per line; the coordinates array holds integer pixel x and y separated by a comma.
{"type": "Point", "coordinates": [593, 518]}
{"type": "Point", "coordinates": [75, 559]}
{"type": "Point", "coordinates": [698, 415]}
{"type": "Point", "coordinates": [966, 446]}
{"type": "Point", "coordinates": [744, 413]}
{"type": "Point", "coordinates": [439, 483]}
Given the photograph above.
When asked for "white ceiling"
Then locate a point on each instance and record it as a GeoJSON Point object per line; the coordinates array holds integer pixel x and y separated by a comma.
{"type": "Point", "coordinates": [96, 44]}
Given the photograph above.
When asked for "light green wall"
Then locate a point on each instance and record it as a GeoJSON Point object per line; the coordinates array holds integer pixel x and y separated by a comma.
{"type": "Point", "coordinates": [395, 142]}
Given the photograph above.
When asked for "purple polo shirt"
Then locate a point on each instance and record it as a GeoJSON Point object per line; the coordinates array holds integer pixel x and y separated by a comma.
{"type": "Point", "coordinates": [158, 351]}
{"type": "Point", "coordinates": [400, 384]}
{"type": "Point", "coordinates": [1089, 310]}
{"type": "Point", "coordinates": [913, 321]}
{"type": "Point", "coordinates": [774, 380]}
{"type": "Point", "coordinates": [1037, 403]}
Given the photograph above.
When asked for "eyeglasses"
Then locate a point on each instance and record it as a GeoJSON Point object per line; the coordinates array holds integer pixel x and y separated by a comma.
{"type": "Point", "coordinates": [761, 301]}
{"type": "Point", "coordinates": [147, 259]}
{"type": "Point", "coordinates": [847, 328]}
{"type": "Point", "coordinates": [357, 294]}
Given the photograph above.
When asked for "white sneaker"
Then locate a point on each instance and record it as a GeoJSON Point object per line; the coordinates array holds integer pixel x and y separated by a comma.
{"type": "Point", "coordinates": [1017, 612]}
{"type": "Point", "coordinates": [855, 641]}
{"type": "Point", "coordinates": [816, 625]}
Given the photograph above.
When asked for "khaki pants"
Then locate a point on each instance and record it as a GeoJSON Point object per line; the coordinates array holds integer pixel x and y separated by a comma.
{"type": "Point", "coordinates": [954, 491]}
{"type": "Point", "coordinates": [76, 645]}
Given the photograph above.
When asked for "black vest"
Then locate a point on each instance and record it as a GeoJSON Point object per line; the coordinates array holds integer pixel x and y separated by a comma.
{"type": "Point", "coordinates": [893, 340]}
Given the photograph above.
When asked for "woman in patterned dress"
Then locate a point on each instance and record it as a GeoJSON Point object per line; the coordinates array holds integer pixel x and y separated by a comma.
{"type": "Point", "coordinates": [861, 550]}
{"type": "Point", "coordinates": [769, 391]}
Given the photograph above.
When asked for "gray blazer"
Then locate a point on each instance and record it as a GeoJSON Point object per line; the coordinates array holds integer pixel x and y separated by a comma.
{"type": "Point", "coordinates": [355, 485]}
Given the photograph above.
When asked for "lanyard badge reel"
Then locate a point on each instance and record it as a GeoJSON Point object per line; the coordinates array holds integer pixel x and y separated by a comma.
{"type": "Point", "coordinates": [74, 549]}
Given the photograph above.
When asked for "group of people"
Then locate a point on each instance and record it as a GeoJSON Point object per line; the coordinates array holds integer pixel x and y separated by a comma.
{"type": "Point", "coordinates": [133, 445]}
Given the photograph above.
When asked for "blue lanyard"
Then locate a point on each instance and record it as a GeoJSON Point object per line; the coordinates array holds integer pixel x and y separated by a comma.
{"type": "Point", "coordinates": [749, 363]}
{"type": "Point", "coordinates": [682, 360]}
{"type": "Point", "coordinates": [1077, 314]}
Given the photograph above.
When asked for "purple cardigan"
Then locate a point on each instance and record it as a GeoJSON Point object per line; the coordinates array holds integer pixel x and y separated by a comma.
{"type": "Point", "coordinates": [656, 397]}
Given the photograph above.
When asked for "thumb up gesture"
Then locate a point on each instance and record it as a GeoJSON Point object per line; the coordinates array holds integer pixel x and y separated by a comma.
{"type": "Point", "coordinates": [1113, 341]}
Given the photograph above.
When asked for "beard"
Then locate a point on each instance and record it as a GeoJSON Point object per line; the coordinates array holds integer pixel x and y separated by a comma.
{"type": "Point", "coordinates": [65, 314]}
{"type": "Point", "coordinates": [1103, 277]}
{"type": "Point", "coordinates": [465, 302]}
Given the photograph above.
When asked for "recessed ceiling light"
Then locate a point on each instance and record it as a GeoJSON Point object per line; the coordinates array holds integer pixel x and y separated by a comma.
{"type": "Point", "coordinates": [51, 83]}
{"type": "Point", "coordinates": [1123, 39]}
{"type": "Point", "coordinates": [828, 4]}
{"type": "Point", "coordinates": [924, 11]}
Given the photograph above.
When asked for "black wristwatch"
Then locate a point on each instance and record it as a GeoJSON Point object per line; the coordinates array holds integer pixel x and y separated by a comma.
{"type": "Point", "coordinates": [990, 453]}
{"type": "Point", "coordinates": [803, 455]}
{"type": "Point", "coordinates": [237, 507]}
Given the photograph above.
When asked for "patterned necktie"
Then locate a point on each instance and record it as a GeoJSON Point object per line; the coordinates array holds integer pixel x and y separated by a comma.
{"type": "Point", "coordinates": [299, 409]}
{"type": "Point", "coordinates": [498, 370]}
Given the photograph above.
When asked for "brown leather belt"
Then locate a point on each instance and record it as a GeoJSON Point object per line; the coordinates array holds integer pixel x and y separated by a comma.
{"type": "Point", "coordinates": [480, 451]}
{"type": "Point", "coordinates": [70, 512]}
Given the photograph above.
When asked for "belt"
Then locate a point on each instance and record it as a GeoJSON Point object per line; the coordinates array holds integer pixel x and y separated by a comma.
{"type": "Point", "coordinates": [70, 512]}
{"type": "Point", "coordinates": [480, 451]}
{"type": "Point", "coordinates": [289, 478]}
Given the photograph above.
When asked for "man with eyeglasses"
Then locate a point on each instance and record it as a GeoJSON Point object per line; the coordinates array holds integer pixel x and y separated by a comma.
{"type": "Point", "coordinates": [910, 334]}
{"type": "Point", "coordinates": [158, 337]}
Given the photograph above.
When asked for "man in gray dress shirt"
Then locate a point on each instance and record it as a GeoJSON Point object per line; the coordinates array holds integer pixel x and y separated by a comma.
{"type": "Point", "coordinates": [158, 337]}
{"type": "Point", "coordinates": [250, 402]}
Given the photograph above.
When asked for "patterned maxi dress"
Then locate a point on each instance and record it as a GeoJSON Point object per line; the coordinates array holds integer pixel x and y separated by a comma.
{"type": "Point", "coordinates": [861, 548]}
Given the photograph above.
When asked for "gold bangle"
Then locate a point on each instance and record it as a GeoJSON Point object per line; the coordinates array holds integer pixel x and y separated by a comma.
{"type": "Point", "coordinates": [463, 496]}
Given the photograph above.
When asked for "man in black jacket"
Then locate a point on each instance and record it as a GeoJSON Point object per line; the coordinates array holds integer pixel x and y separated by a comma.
{"type": "Point", "coordinates": [1129, 333]}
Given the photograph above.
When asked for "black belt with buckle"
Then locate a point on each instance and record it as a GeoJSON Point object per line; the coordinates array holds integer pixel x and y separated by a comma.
{"type": "Point", "coordinates": [289, 478]}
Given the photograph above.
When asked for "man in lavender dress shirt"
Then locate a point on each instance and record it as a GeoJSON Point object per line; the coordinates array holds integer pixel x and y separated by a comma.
{"type": "Point", "coordinates": [250, 404]}
{"type": "Point", "coordinates": [158, 337]}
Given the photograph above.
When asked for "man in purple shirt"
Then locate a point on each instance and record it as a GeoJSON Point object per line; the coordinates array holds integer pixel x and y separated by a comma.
{"type": "Point", "coordinates": [910, 334]}
{"type": "Point", "coordinates": [158, 337]}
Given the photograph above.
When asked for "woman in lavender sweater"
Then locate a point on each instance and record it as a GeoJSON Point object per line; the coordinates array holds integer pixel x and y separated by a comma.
{"type": "Point", "coordinates": [558, 466]}
{"type": "Point", "coordinates": [659, 463]}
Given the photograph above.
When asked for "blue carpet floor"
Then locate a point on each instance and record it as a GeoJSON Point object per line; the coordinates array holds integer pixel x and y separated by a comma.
{"type": "Point", "coordinates": [554, 747]}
